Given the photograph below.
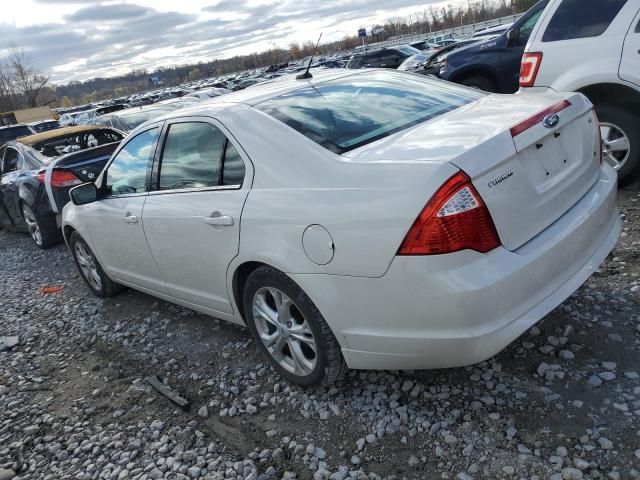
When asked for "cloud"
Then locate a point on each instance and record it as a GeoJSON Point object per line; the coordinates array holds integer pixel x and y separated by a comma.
{"type": "Point", "coordinates": [103, 12]}
{"type": "Point", "coordinates": [103, 38]}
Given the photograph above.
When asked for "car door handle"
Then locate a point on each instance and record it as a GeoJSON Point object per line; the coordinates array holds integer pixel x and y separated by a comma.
{"type": "Point", "coordinates": [220, 220]}
{"type": "Point", "coordinates": [130, 219]}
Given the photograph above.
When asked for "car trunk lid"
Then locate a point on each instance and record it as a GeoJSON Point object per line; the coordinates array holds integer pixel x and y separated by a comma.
{"type": "Point", "coordinates": [527, 177]}
{"type": "Point", "coordinates": [87, 164]}
{"type": "Point", "coordinates": [555, 161]}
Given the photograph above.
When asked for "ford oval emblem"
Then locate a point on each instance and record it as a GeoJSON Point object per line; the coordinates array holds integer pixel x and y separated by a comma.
{"type": "Point", "coordinates": [551, 121]}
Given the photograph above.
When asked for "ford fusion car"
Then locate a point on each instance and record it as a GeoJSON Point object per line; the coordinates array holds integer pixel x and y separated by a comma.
{"type": "Point", "coordinates": [369, 219]}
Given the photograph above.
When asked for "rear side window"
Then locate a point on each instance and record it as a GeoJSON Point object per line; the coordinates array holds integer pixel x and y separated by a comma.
{"type": "Point", "coordinates": [582, 19]}
{"type": "Point", "coordinates": [344, 114]}
{"type": "Point", "coordinates": [233, 166]}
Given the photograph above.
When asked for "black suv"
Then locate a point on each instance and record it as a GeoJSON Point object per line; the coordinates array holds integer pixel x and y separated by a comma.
{"type": "Point", "coordinates": [388, 57]}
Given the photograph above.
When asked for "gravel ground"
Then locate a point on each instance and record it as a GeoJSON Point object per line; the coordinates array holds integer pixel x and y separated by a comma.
{"type": "Point", "coordinates": [561, 402]}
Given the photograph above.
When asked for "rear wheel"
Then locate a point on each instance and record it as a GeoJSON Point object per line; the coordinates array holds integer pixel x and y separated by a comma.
{"type": "Point", "coordinates": [480, 82]}
{"type": "Point", "coordinates": [43, 231]}
{"type": "Point", "coordinates": [290, 330]}
{"type": "Point", "coordinates": [620, 141]}
{"type": "Point", "coordinates": [90, 269]}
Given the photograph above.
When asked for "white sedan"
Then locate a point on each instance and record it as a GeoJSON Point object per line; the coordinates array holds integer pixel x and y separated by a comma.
{"type": "Point", "coordinates": [362, 219]}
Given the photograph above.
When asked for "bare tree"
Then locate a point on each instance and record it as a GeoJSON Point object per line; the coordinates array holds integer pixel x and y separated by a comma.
{"type": "Point", "coordinates": [8, 98]}
{"type": "Point", "coordinates": [21, 83]}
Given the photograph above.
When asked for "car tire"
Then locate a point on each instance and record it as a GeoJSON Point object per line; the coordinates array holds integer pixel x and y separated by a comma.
{"type": "Point", "coordinates": [90, 269]}
{"type": "Point", "coordinates": [480, 82]}
{"type": "Point", "coordinates": [296, 339]}
{"type": "Point", "coordinates": [616, 122]}
{"type": "Point", "coordinates": [44, 231]}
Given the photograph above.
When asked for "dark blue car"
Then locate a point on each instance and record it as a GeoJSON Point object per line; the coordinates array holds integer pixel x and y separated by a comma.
{"type": "Point", "coordinates": [493, 65]}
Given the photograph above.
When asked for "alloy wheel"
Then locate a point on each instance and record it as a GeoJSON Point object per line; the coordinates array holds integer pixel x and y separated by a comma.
{"type": "Point", "coordinates": [88, 265]}
{"type": "Point", "coordinates": [284, 331]}
{"type": "Point", "coordinates": [616, 146]}
{"type": "Point", "coordinates": [32, 225]}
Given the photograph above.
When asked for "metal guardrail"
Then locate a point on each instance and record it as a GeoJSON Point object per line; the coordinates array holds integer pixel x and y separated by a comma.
{"type": "Point", "coordinates": [461, 31]}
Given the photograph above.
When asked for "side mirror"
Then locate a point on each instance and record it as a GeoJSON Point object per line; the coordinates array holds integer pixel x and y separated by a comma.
{"type": "Point", "coordinates": [84, 194]}
{"type": "Point", "coordinates": [513, 35]}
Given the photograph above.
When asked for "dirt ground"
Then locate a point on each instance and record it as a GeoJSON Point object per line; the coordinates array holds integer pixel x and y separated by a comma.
{"type": "Point", "coordinates": [563, 401]}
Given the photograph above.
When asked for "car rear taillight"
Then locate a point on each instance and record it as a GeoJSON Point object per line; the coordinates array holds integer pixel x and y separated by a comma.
{"type": "Point", "coordinates": [60, 178]}
{"type": "Point", "coordinates": [529, 68]}
{"type": "Point", "coordinates": [454, 219]}
{"type": "Point", "coordinates": [538, 118]}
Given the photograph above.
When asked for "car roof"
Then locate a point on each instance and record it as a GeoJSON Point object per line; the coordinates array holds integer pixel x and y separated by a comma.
{"type": "Point", "coordinates": [60, 132]}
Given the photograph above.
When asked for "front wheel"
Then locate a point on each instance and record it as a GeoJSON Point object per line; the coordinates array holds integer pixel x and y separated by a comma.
{"type": "Point", "coordinates": [290, 330]}
{"type": "Point", "coordinates": [620, 141]}
{"type": "Point", "coordinates": [90, 269]}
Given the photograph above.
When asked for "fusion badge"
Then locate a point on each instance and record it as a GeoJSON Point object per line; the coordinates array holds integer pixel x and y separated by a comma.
{"type": "Point", "coordinates": [500, 179]}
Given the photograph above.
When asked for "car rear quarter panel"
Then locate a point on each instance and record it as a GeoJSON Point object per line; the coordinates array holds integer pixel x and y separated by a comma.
{"type": "Point", "coordinates": [367, 207]}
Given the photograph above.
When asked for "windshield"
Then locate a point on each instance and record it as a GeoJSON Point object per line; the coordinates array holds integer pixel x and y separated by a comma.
{"type": "Point", "coordinates": [133, 119]}
{"type": "Point", "coordinates": [345, 114]}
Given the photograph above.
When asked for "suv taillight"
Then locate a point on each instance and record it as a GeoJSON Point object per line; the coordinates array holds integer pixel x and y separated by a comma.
{"type": "Point", "coordinates": [529, 68]}
{"type": "Point", "coordinates": [60, 179]}
{"type": "Point", "coordinates": [454, 219]}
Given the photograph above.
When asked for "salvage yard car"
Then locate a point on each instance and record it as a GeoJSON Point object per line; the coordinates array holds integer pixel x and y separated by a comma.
{"type": "Point", "coordinates": [387, 57]}
{"type": "Point", "coordinates": [593, 47]}
{"type": "Point", "coordinates": [369, 219]}
{"type": "Point", "coordinates": [37, 171]}
{"type": "Point", "coordinates": [493, 65]}
{"type": "Point", "coordinates": [11, 132]}
{"type": "Point", "coordinates": [129, 118]}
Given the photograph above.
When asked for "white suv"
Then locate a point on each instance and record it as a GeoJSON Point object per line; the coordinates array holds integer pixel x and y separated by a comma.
{"type": "Point", "coordinates": [593, 47]}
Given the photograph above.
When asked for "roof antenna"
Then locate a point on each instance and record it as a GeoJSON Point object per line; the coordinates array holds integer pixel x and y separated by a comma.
{"type": "Point", "coordinates": [306, 74]}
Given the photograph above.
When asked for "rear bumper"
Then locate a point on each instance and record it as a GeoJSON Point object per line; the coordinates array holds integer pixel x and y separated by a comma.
{"type": "Point", "coordinates": [459, 309]}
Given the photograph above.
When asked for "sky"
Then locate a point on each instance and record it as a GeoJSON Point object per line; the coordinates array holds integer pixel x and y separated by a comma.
{"type": "Point", "coordinates": [82, 39]}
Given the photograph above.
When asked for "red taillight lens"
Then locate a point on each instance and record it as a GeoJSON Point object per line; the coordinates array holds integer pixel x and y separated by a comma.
{"type": "Point", "coordinates": [454, 219]}
{"type": "Point", "coordinates": [60, 179]}
{"type": "Point", "coordinates": [529, 68]}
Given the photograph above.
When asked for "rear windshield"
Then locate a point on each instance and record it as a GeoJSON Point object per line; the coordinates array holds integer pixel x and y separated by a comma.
{"type": "Point", "coordinates": [345, 114]}
{"type": "Point", "coordinates": [12, 133]}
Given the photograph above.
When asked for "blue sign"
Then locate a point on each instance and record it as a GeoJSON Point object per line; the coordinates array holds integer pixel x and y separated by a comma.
{"type": "Point", "coordinates": [362, 32]}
